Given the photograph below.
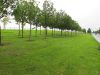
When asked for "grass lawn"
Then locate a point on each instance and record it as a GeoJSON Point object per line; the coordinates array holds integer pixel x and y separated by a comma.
{"type": "Point", "coordinates": [76, 55]}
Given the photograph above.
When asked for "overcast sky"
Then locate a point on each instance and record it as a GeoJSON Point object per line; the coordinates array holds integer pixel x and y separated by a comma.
{"type": "Point", "coordinates": [85, 12]}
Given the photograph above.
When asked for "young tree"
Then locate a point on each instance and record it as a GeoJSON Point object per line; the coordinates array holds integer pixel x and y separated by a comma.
{"type": "Point", "coordinates": [0, 35]}
{"type": "Point", "coordinates": [41, 19]}
{"type": "Point", "coordinates": [31, 14]}
{"type": "Point", "coordinates": [16, 14]}
{"type": "Point", "coordinates": [38, 13]}
{"type": "Point", "coordinates": [62, 21]}
{"type": "Point", "coordinates": [1, 9]}
{"type": "Point", "coordinates": [20, 13]}
{"type": "Point", "coordinates": [19, 33]}
{"type": "Point", "coordinates": [84, 30]}
{"type": "Point", "coordinates": [89, 30]}
{"type": "Point", "coordinates": [52, 19]}
{"type": "Point", "coordinates": [4, 5]}
{"type": "Point", "coordinates": [5, 21]}
{"type": "Point", "coordinates": [47, 9]}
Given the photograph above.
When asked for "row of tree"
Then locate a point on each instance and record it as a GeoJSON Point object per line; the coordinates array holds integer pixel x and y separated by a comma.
{"type": "Point", "coordinates": [28, 11]}
{"type": "Point", "coordinates": [48, 16]}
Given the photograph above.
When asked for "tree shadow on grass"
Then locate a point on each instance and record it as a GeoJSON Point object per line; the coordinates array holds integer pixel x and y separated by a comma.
{"type": "Point", "coordinates": [98, 48]}
{"type": "Point", "coordinates": [5, 44]}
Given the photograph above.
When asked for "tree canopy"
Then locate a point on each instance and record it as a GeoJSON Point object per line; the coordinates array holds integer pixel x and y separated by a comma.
{"type": "Point", "coordinates": [48, 16]}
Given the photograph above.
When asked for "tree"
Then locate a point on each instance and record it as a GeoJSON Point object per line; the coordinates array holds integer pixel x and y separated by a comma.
{"type": "Point", "coordinates": [4, 5]}
{"type": "Point", "coordinates": [52, 20]}
{"type": "Point", "coordinates": [89, 30]}
{"type": "Point", "coordinates": [64, 21]}
{"type": "Point", "coordinates": [57, 21]}
{"type": "Point", "coordinates": [0, 36]}
{"type": "Point", "coordinates": [84, 30]}
{"type": "Point", "coordinates": [16, 14]}
{"type": "Point", "coordinates": [47, 10]}
{"type": "Point", "coordinates": [47, 17]}
{"type": "Point", "coordinates": [1, 8]}
{"type": "Point", "coordinates": [41, 19]}
{"type": "Point", "coordinates": [5, 21]}
{"type": "Point", "coordinates": [9, 4]}
{"type": "Point", "coordinates": [61, 20]}
{"type": "Point", "coordinates": [19, 33]}
{"type": "Point", "coordinates": [20, 13]}
{"type": "Point", "coordinates": [38, 13]}
{"type": "Point", "coordinates": [31, 14]}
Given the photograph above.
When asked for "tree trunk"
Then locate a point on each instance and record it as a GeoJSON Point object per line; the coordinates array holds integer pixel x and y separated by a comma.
{"type": "Point", "coordinates": [68, 33]}
{"type": "Point", "coordinates": [52, 31]}
{"type": "Point", "coordinates": [36, 30]}
{"type": "Point", "coordinates": [40, 29]}
{"type": "Point", "coordinates": [4, 27]}
{"type": "Point", "coordinates": [19, 31]}
{"type": "Point", "coordinates": [22, 30]}
{"type": "Point", "coordinates": [45, 25]}
{"type": "Point", "coordinates": [71, 32]}
{"type": "Point", "coordinates": [65, 33]}
{"type": "Point", "coordinates": [76, 33]}
{"type": "Point", "coordinates": [45, 32]}
{"type": "Point", "coordinates": [61, 32]}
{"type": "Point", "coordinates": [0, 35]}
{"type": "Point", "coordinates": [30, 32]}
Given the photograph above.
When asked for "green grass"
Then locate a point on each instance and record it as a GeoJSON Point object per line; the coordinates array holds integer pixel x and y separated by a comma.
{"type": "Point", "coordinates": [76, 55]}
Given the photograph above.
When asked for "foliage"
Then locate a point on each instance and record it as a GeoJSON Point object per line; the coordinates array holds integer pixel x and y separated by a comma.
{"type": "Point", "coordinates": [1, 6]}
{"type": "Point", "coordinates": [84, 30]}
{"type": "Point", "coordinates": [5, 21]}
{"type": "Point", "coordinates": [20, 13]}
{"type": "Point", "coordinates": [89, 30]}
{"type": "Point", "coordinates": [47, 17]}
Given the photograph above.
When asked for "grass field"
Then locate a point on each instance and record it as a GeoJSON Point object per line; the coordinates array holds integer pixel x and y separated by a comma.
{"type": "Point", "coordinates": [76, 55]}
